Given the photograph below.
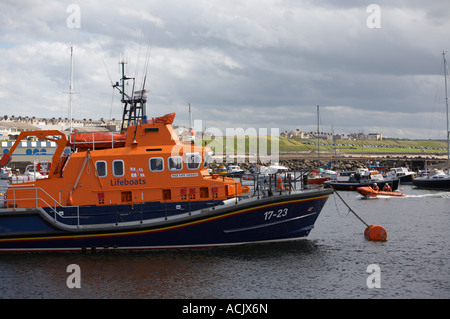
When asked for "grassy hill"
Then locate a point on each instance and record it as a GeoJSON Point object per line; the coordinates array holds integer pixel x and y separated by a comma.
{"type": "Point", "coordinates": [250, 144]}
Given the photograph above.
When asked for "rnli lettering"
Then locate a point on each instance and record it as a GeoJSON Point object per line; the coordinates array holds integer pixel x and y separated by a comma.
{"type": "Point", "coordinates": [127, 182]}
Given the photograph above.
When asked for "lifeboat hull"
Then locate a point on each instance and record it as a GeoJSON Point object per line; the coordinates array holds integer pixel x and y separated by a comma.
{"type": "Point", "coordinates": [370, 192]}
{"type": "Point", "coordinates": [277, 218]}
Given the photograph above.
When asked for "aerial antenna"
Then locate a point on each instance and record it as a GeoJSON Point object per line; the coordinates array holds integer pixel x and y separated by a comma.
{"type": "Point", "coordinates": [71, 93]}
{"type": "Point", "coordinates": [147, 57]}
{"type": "Point", "coordinates": [190, 117]}
{"type": "Point", "coordinates": [71, 87]}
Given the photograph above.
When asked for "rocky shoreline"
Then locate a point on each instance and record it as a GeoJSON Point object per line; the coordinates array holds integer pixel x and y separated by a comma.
{"type": "Point", "coordinates": [349, 162]}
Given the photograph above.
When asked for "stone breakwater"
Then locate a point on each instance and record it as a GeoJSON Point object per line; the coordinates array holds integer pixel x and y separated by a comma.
{"type": "Point", "coordinates": [349, 163]}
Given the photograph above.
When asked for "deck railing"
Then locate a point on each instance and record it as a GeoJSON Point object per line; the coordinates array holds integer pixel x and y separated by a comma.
{"type": "Point", "coordinates": [263, 186]}
{"type": "Point", "coordinates": [49, 202]}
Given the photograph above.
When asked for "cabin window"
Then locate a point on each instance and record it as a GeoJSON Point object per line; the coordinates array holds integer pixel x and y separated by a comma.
{"type": "Point", "coordinates": [101, 168]}
{"type": "Point", "coordinates": [193, 161]}
{"type": "Point", "coordinates": [156, 164]}
{"type": "Point", "coordinates": [118, 168]}
{"type": "Point", "coordinates": [175, 163]}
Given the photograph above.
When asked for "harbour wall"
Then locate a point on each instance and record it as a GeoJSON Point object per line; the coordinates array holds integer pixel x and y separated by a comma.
{"type": "Point", "coordinates": [344, 162]}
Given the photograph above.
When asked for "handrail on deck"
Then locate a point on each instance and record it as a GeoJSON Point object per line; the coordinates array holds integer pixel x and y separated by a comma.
{"type": "Point", "coordinates": [37, 199]}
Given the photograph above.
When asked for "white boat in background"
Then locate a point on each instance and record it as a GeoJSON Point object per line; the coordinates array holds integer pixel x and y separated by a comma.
{"type": "Point", "coordinates": [38, 170]}
{"type": "Point", "coordinates": [437, 179]}
{"type": "Point", "coordinates": [276, 168]}
{"type": "Point", "coordinates": [34, 171]}
{"type": "Point", "coordinates": [234, 170]}
{"type": "Point", "coordinates": [402, 173]}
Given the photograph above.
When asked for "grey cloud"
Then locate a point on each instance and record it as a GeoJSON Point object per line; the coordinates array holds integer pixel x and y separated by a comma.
{"type": "Point", "coordinates": [275, 59]}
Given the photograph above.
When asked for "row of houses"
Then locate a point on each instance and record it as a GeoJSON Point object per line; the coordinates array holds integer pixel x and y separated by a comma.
{"type": "Point", "coordinates": [329, 136]}
{"type": "Point", "coordinates": [10, 127]}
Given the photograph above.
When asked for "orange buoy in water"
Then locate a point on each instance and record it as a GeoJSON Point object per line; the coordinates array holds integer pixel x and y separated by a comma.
{"type": "Point", "coordinates": [375, 233]}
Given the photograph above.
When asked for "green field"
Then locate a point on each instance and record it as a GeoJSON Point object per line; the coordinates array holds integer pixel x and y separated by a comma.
{"type": "Point", "coordinates": [250, 144]}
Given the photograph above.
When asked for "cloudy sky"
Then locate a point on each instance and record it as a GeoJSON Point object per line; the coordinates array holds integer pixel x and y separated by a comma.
{"type": "Point", "coordinates": [239, 63]}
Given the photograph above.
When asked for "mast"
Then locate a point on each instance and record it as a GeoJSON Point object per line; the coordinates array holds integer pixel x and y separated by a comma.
{"type": "Point", "coordinates": [446, 104]}
{"type": "Point", "coordinates": [318, 140]}
{"type": "Point", "coordinates": [190, 117]}
{"type": "Point", "coordinates": [134, 109]}
{"type": "Point", "coordinates": [71, 87]}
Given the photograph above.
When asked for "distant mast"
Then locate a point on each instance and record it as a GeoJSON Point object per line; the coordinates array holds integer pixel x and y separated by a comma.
{"type": "Point", "coordinates": [191, 130]}
{"type": "Point", "coordinates": [446, 103]}
{"type": "Point", "coordinates": [318, 140]}
{"type": "Point", "coordinates": [190, 117]}
{"type": "Point", "coordinates": [71, 88]}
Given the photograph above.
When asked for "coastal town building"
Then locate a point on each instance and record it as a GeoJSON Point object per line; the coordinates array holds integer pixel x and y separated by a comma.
{"type": "Point", "coordinates": [297, 133]}
{"type": "Point", "coordinates": [11, 126]}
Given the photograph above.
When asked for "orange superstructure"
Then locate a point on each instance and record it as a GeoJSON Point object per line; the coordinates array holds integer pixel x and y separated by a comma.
{"type": "Point", "coordinates": [152, 166]}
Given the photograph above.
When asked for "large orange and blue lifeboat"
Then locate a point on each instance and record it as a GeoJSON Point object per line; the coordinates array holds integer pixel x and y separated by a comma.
{"type": "Point", "coordinates": [142, 188]}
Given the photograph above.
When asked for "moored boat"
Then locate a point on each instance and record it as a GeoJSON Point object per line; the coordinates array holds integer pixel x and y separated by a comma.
{"type": "Point", "coordinates": [150, 192]}
{"type": "Point", "coordinates": [234, 170]}
{"type": "Point", "coordinates": [402, 173]}
{"type": "Point", "coordinates": [361, 178]}
{"type": "Point", "coordinates": [318, 177]}
{"type": "Point", "coordinates": [436, 180]}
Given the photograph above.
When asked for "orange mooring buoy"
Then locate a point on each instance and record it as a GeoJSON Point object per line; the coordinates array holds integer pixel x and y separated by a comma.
{"type": "Point", "coordinates": [375, 233]}
{"type": "Point", "coordinates": [372, 232]}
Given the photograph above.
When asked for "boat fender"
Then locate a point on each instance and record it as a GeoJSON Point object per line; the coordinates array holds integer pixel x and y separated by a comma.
{"type": "Point", "coordinates": [280, 184]}
{"type": "Point", "coordinates": [375, 233]}
{"type": "Point", "coordinates": [70, 200]}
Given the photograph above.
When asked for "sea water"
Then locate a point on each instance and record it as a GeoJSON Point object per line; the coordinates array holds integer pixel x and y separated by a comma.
{"type": "Point", "coordinates": [335, 261]}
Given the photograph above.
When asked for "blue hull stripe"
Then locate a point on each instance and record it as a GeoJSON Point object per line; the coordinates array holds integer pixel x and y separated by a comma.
{"type": "Point", "coordinates": [223, 226]}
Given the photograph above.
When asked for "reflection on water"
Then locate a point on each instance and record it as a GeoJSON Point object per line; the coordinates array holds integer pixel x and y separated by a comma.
{"type": "Point", "coordinates": [201, 273]}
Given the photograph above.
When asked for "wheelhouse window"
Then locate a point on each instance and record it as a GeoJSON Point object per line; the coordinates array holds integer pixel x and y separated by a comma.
{"type": "Point", "coordinates": [118, 168]}
{"type": "Point", "coordinates": [101, 169]}
{"type": "Point", "coordinates": [193, 161]}
{"type": "Point", "coordinates": [175, 163]}
{"type": "Point", "coordinates": [156, 164]}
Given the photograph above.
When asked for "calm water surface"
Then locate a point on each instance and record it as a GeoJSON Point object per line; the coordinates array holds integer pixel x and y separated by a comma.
{"type": "Point", "coordinates": [331, 263]}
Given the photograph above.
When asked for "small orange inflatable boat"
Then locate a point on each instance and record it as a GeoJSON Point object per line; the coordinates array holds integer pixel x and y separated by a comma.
{"type": "Point", "coordinates": [370, 192]}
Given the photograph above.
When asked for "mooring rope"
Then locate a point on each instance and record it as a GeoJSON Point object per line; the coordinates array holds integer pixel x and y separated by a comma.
{"type": "Point", "coordinates": [350, 209]}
